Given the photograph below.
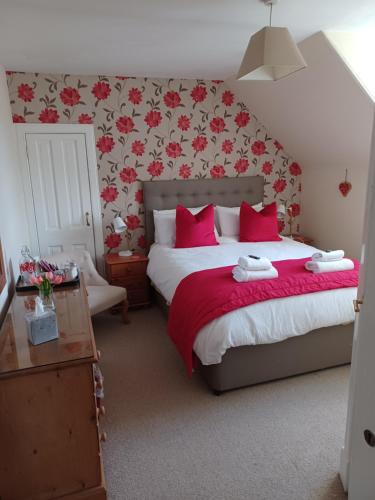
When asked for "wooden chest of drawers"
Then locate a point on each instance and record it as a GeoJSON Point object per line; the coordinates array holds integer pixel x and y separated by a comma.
{"type": "Point", "coordinates": [129, 272]}
{"type": "Point", "coordinates": [49, 418]}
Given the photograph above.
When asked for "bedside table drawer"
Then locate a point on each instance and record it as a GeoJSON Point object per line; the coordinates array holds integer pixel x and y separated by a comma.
{"type": "Point", "coordinates": [124, 270]}
{"type": "Point", "coordinates": [137, 281]}
{"type": "Point", "coordinates": [138, 296]}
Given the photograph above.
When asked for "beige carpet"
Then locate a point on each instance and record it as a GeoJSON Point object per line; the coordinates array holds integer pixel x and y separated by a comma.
{"type": "Point", "coordinates": [169, 438]}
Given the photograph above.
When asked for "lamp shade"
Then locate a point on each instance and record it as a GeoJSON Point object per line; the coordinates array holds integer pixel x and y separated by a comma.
{"type": "Point", "coordinates": [271, 54]}
{"type": "Point", "coordinates": [119, 225]}
{"type": "Point", "coordinates": [281, 211]}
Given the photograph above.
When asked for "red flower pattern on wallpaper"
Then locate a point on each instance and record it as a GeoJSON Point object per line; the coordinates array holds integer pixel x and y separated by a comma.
{"type": "Point", "coordinates": [227, 98]}
{"type": "Point", "coordinates": [267, 168]}
{"type": "Point", "coordinates": [109, 194]}
{"type": "Point", "coordinates": [128, 175]}
{"type": "Point", "coordinates": [84, 118]}
{"type": "Point", "coordinates": [49, 115]}
{"type": "Point", "coordinates": [125, 124]}
{"type": "Point", "coordinates": [70, 96]}
{"type": "Point", "coordinates": [173, 150]}
{"type": "Point", "coordinates": [185, 171]}
{"type": "Point", "coordinates": [25, 92]}
{"type": "Point", "coordinates": [242, 119]}
{"type": "Point", "coordinates": [133, 222]}
{"type": "Point", "coordinates": [295, 169]}
{"type": "Point", "coordinates": [258, 148]}
{"type": "Point", "coordinates": [172, 99]}
{"type": "Point", "coordinates": [217, 172]}
{"type": "Point", "coordinates": [217, 125]}
{"type": "Point", "coordinates": [153, 118]}
{"type": "Point", "coordinates": [139, 196]}
{"type": "Point", "coordinates": [112, 240]}
{"type": "Point", "coordinates": [241, 165]}
{"type": "Point", "coordinates": [18, 119]}
{"type": "Point", "coordinates": [157, 129]}
{"type": "Point", "coordinates": [199, 93]}
{"type": "Point", "coordinates": [105, 144]}
{"type": "Point", "coordinates": [155, 169]}
{"type": "Point", "coordinates": [183, 123]}
{"type": "Point", "coordinates": [138, 148]}
{"type": "Point", "coordinates": [199, 143]}
{"type": "Point", "coordinates": [227, 146]}
{"type": "Point", "coordinates": [135, 96]}
{"type": "Point", "coordinates": [279, 185]}
{"type": "Point", "coordinates": [295, 209]}
{"type": "Point", "coordinates": [101, 90]}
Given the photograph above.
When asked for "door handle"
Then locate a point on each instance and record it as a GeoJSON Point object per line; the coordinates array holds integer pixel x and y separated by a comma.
{"type": "Point", "coordinates": [87, 218]}
{"type": "Point", "coordinates": [357, 305]}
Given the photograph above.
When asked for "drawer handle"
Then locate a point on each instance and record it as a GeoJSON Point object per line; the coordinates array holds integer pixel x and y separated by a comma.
{"type": "Point", "coordinates": [103, 437]}
{"type": "Point", "coordinates": [98, 354]}
{"type": "Point", "coordinates": [102, 410]}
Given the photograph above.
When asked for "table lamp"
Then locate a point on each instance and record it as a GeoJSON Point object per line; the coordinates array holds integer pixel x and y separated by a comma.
{"type": "Point", "coordinates": [120, 227]}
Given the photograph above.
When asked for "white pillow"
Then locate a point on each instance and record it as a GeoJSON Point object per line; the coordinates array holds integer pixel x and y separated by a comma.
{"type": "Point", "coordinates": [229, 219]}
{"type": "Point", "coordinates": [165, 225]}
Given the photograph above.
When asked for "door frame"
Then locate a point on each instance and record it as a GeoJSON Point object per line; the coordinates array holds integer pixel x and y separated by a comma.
{"type": "Point", "coordinates": [69, 128]}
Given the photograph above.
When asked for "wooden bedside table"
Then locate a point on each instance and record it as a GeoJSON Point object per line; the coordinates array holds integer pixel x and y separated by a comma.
{"type": "Point", "coordinates": [302, 239]}
{"type": "Point", "coordinates": [130, 273]}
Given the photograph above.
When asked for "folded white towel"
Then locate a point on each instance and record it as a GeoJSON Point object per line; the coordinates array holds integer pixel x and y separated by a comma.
{"type": "Point", "coordinates": [251, 264]}
{"type": "Point", "coordinates": [241, 275]}
{"type": "Point", "coordinates": [329, 256]}
{"type": "Point", "coordinates": [329, 267]}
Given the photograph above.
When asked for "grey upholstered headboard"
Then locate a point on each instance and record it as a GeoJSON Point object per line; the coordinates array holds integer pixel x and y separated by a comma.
{"type": "Point", "coordinates": [229, 192]}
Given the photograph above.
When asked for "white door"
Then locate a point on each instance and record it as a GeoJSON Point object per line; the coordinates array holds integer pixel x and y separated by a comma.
{"type": "Point", "coordinates": [60, 184]}
{"type": "Point", "coordinates": [358, 456]}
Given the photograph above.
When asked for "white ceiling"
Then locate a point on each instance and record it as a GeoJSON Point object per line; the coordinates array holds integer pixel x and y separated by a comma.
{"type": "Point", "coordinates": [160, 38]}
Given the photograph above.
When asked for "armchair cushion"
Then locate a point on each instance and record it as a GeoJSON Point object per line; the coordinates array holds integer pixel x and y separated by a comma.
{"type": "Point", "coordinates": [101, 298]}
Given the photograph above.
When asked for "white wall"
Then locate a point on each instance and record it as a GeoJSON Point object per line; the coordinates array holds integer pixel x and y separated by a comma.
{"type": "Point", "coordinates": [324, 119]}
{"type": "Point", "coordinates": [13, 227]}
{"type": "Point", "coordinates": [356, 49]}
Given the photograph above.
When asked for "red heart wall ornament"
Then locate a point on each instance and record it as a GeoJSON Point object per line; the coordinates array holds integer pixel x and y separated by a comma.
{"type": "Point", "coordinates": [345, 186]}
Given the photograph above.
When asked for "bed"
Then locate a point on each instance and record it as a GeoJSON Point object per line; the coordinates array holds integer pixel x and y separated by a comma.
{"type": "Point", "coordinates": [261, 342]}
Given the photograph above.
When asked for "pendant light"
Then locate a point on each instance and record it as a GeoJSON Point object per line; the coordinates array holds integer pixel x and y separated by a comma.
{"type": "Point", "coordinates": [271, 54]}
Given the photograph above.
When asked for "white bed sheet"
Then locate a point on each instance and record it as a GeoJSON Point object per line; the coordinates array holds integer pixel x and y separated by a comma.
{"type": "Point", "coordinates": [261, 323]}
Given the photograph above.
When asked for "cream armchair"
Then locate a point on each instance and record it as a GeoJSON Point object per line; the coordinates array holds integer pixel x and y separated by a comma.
{"type": "Point", "coordinates": [101, 295]}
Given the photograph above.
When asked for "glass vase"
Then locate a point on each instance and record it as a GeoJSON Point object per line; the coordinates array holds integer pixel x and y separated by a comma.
{"type": "Point", "coordinates": [47, 299]}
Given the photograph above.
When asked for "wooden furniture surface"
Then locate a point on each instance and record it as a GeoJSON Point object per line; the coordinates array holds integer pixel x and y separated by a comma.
{"type": "Point", "coordinates": [49, 427]}
{"type": "Point", "coordinates": [301, 238]}
{"type": "Point", "coordinates": [129, 272]}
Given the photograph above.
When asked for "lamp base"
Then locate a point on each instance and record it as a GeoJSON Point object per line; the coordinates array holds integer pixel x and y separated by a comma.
{"type": "Point", "coordinates": [125, 253]}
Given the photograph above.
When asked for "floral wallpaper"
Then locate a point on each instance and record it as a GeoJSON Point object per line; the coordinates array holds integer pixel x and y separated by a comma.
{"type": "Point", "coordinates": [148, 129]}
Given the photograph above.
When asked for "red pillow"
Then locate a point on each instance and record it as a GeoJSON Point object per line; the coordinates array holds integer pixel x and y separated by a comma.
{"type": "Point", "coordinates": [195, 230]}
{"type": "Point", "coordinates": [259, 226]}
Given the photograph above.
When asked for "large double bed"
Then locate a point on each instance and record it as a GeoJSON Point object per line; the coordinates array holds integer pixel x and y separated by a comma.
{"type": "Point", "coordinates": [264, 341]}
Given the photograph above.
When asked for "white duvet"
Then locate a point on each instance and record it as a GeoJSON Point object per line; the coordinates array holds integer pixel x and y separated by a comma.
{"type": "Point", "coordinates": [261, 323]}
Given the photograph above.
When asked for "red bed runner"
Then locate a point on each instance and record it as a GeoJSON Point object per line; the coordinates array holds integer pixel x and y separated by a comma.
{"type": "Point", "coordinates": [206, 295]}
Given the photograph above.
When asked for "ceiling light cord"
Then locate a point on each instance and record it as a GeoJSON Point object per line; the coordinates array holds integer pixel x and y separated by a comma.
{"type": "Point", "coordinates": [271, 5]}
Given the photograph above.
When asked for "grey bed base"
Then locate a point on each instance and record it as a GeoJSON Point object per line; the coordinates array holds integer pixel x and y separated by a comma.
{"type": "Point", "coordinates": [247, 365]}
{"type": "Point", "coordinates": [254, 364]}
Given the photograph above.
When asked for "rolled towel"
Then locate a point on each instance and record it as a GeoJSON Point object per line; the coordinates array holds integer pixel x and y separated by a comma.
{"type": "Point", "coordinates": [241, 275]}
{"type": "Point", "coordinates": [328, 256]}
{"type": "Point", "coordinates": [250, 263]}
{"type": "Point", "coordinates": [329, 267]}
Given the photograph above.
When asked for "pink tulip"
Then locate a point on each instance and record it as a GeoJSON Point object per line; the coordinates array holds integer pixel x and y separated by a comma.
{"type": "Point", "coordinates": [33, 280]}
{"type": "Point", "coordinates": [50, 276]}
{"type": "Point", "coordinates": [58, 280]}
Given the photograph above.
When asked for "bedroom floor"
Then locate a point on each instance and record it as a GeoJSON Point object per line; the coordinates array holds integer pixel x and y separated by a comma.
{"type": "Point", "coordinates": [169, 438]}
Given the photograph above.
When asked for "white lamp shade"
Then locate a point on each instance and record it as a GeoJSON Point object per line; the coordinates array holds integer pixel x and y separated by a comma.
{"type": "Point", "coordinates": [281, 211]}
{"type": "Point", "coordinates": [119, 225]}
{"type": "Point", "coordinates": [271, 54]}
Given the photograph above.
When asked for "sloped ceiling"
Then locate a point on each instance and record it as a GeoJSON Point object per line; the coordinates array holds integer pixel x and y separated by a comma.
{"type": "Point", "coordinates": [160, 38]}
